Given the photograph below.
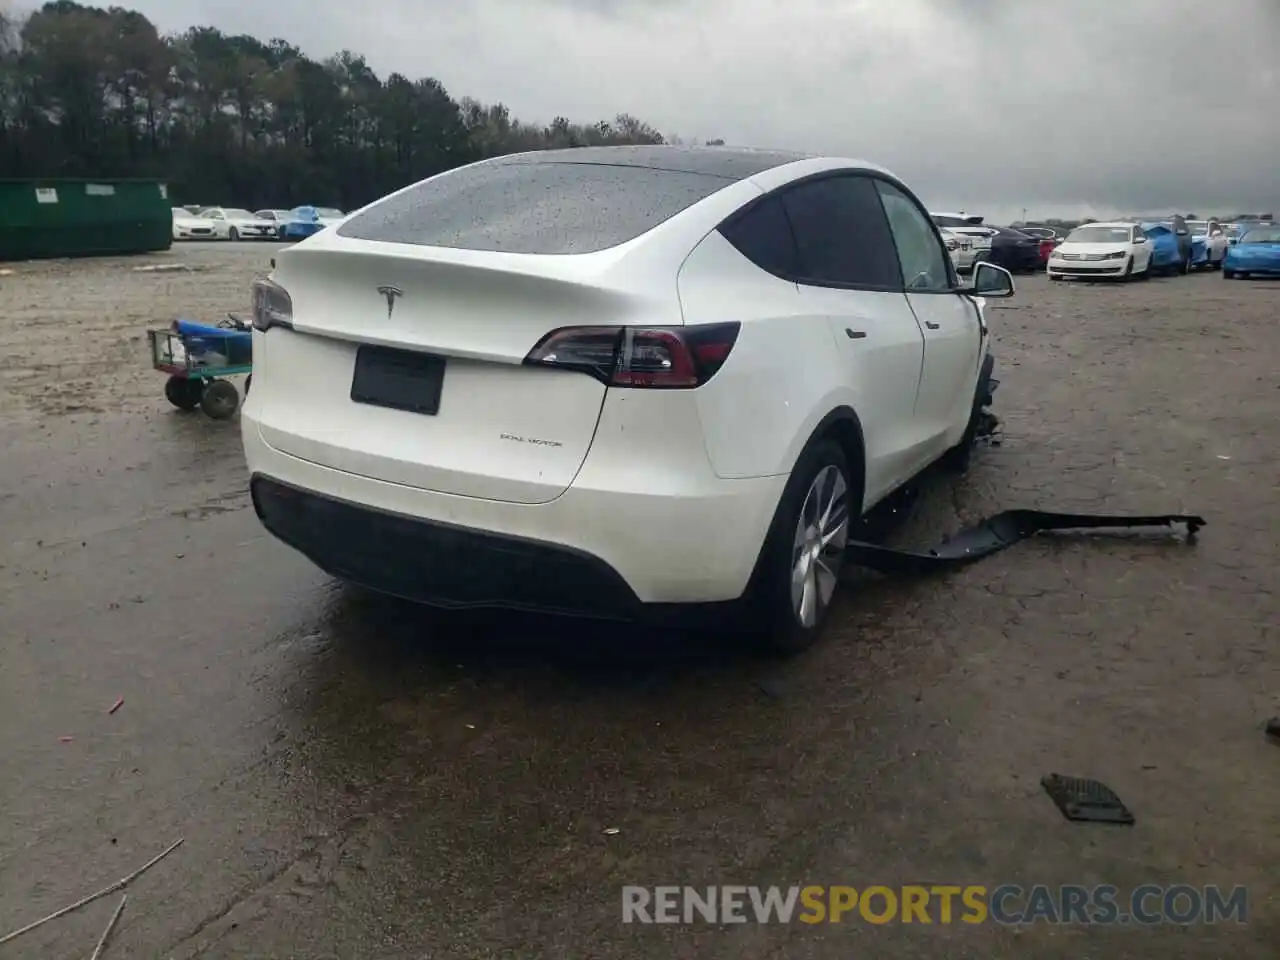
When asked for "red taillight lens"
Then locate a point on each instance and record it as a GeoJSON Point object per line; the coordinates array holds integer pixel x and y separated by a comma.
{"type": "Point", "coordinates": [648, 357]}
{"type": "Point", "coordinates": [272, 306]}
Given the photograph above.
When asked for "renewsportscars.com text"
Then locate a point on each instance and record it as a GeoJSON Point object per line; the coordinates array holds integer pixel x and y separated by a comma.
{"type": "Point", "coordinates": [936, 904]}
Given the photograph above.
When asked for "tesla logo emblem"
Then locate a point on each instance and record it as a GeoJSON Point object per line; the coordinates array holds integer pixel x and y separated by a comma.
{"type": "Point", "coordinates": [392, 294]}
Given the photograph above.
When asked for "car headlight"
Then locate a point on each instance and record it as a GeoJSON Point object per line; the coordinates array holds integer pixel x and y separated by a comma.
{"type": "Point", "coordinates": [1118, 255]}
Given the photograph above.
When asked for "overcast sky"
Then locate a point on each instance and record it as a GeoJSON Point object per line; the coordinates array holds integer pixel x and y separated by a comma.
{"type": "Point", "coordinates": [1059, 106]}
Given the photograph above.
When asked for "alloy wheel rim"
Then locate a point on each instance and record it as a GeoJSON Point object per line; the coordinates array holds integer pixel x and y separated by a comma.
{"type": "Point", "coordinates": [822, 532]}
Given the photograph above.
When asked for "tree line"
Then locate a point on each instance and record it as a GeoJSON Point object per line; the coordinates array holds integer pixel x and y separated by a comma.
{"type": "Point", "coordinates": [91, 92]}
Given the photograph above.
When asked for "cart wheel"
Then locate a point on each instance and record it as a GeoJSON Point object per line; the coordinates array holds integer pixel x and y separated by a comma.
{"type": "Point", "coordinates": [220, 400]}
{"type": "Point", "coordinates": [184, 393]}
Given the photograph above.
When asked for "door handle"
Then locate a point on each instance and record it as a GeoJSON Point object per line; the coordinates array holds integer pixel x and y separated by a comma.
{"type": "Point", "coordinates": [932, 326]}
{"type": "Point", "coordinates": [855, 334]}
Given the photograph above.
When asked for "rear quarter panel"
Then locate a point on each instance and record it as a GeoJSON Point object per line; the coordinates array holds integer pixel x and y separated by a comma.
{"type": "Point", "coordinates": [782, 377]}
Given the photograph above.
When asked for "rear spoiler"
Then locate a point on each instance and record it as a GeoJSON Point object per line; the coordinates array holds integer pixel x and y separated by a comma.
{"type": "Point", "coordinates": [976, 221]}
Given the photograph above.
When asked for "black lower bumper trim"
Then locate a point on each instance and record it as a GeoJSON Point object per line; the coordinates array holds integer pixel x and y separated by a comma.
{"type": "Point", "coordinates": [440, 564]}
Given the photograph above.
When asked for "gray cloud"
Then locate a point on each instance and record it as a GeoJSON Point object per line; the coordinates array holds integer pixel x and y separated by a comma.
{"type": "Point", "coordinates": [991, 105]}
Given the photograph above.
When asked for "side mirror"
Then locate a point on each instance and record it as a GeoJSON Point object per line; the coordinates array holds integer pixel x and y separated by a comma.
{"type": "Point", "coordinates": [990, 281]}
{"type": "Point", "coordinates": [1140, 240]}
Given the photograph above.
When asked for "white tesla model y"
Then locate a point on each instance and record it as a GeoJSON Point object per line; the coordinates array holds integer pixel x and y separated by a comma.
{"type": "Point", "coordinates": [619, 382]}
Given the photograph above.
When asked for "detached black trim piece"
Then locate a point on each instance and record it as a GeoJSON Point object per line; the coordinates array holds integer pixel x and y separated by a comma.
{"type": "Point", "coordinates": [440, 564]}
{"type": "Point", "coordinates": [993, 535]}
{"type": "Point", "coordinates": [1087, 800]}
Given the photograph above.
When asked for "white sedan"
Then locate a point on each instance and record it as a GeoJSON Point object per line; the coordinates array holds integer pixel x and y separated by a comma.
{"type": "Point", "coordinates": [188, 226]}
{"type": "Point", "coordinates": [1120, 250]}
{"type": "Point", "coordinates": [1215, 240]}
{"type": "Point", "coordinates": [618, 382]}
{"type": "Point", "coordinates": [232, 223]}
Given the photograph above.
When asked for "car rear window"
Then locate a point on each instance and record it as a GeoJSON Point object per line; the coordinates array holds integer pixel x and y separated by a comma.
{"type": "Point", "coordinates": [531, 207]}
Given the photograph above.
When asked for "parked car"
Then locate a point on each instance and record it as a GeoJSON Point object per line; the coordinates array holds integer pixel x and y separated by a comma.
{"type": "Point", "coordinates": [1257, 254]}
{"type": "Point", "coordinates": [1185, 244]}
{"type": "Point", "coordinates": [959, 247]}
{"type": "Point", "coordinates": [1014, 250]}
{"type": "Point", "coordinates": [304, 221]}
{"type": "Point", "coordinates": [232, 223]}
{"type": "Point", "coordinates": [1166, 253]}
{"type": "Point", "coordinates": [963, 226]}
{"type": "Point", "coordinates": [187, 226]}
{"type": "Point", "coordinates": [601, 381]}
{"type": "Point", "coordinates": [276, 219]}
{"type": "Point", "coordinates": [1048, 239]}
{"type": "Point", "coordinates": [1120, 250]}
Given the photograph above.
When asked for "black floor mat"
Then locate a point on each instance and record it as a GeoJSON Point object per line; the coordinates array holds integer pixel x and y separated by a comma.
{"type": "Point", "coordinates": [1086, 800]}
{"type": "Point", "coordinates": [995, 534]}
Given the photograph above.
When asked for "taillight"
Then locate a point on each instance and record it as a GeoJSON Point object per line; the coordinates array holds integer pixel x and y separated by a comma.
{"type": "Point", "coordinates": [648, 357]}
{"type": "Point", "coordinates": [272, 306]}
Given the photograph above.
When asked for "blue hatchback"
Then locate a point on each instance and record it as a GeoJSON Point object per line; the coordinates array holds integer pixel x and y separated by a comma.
{"type": "Point", "coordinates": [1256, 254]}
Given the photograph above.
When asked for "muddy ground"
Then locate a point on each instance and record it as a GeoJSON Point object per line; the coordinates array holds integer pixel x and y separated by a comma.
{"type": "Point", "coordinates": [359, 778]}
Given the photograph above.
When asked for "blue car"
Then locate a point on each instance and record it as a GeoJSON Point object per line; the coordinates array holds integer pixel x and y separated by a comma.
{"type": "Point", "coordinates": [1166, 255]}
{"type": "Point", "coordinates": [1256, 254]}
{"type": "Point", "coordinates": [302, 222]}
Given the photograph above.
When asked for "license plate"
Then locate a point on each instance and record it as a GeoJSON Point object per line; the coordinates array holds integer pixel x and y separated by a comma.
{"type": "Point", "coordinates": [399, 379]}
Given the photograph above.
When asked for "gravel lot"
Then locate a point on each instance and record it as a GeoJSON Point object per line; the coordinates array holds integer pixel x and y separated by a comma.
{"type": "Point", "coordinates": [359, 778]}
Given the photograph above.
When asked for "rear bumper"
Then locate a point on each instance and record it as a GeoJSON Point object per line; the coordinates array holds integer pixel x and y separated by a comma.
{"type": "Point", "coordinates": [621, 541]}
{"type": "Point", "coordinates": [438, 563]}
{"type": "Point", "coordinates": [1017, 258]}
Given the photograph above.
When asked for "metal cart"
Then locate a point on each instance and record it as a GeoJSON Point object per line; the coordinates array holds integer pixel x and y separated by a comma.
{"type": "Point", "coordinates": [197, 356]}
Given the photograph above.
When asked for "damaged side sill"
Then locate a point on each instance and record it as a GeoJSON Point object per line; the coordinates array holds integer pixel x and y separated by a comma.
{"type": "Point", "coordinates": [995, 534]}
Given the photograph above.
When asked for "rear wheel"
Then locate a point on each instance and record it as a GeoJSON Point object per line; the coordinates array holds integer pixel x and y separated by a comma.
{"type": "Point", "coordinates": [183, 392]}
{"type": "Point", "coordinates": [804, 551]}
{"type": "Point", "coordinates": [233, 234]}
{"type": "Point", "coordinates": [1185, 266]}
{"type": "Point", "coordinates": [1228, 274]}
{"type": "Point", "coordinates": [220, 400]}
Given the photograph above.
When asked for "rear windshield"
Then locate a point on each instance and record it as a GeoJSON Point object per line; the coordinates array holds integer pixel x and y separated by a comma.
{"type": "Point", "coordinates": [530, 207]}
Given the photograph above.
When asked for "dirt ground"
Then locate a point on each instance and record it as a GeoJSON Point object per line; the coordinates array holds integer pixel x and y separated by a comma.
{"type": "Point", "coordinates": [358, 778]}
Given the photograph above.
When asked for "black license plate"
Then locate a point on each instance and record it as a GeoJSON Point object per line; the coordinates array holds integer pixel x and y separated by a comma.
{"type": "Point", "coordinates": [400, 379]}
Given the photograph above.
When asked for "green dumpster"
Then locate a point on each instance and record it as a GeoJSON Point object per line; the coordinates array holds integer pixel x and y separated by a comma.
{"type": "Point", "coordinates": [83, 218]}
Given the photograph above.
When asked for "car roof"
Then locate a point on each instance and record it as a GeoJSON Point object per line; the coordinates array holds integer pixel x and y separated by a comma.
{"type": "Point", "coordinates": [728, 163]}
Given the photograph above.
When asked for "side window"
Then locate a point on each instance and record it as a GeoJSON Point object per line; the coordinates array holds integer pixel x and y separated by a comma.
{"type": "Point", "coordinates": [925, 264]}
{"type": "Point", "coordinates": [762, 234]}
{"type": "Point", "coordinates": [1137, 234]}
{"type": "Point", "coordinates": [841, 235]}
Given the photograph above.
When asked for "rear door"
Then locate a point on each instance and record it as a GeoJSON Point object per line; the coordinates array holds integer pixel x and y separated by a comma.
{"type": "Point", "coordinates": [950, 323]}
{"type": "Point", "coordinates": [848, 273]}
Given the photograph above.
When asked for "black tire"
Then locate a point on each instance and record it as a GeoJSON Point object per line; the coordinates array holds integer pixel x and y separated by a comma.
{"type": "Point", "coordinates": [1228, 274]}
{"type": "Point", "coordinates": [183, 392]}
{"type": "Point", "coordinates": [1184, 267]}
{"type": "Point", "coordinates": [248, 381]}
{"type": "Point", "coordinates": [233, 234]}
{"type": "Point", "coordinates": [220, 400]}
{"type": "Point", "coordinates": [1242, 275]}
{"type": "Point", "coordinates": [1128, 271]}
{"type": "Point", "coordinates": [776, 627]}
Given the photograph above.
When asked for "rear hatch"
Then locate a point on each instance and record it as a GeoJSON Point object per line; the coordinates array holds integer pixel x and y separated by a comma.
{"type": "Point", "coordinates": [406, 365]}
{"type": "Point", "coordinates": [458, 278]}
